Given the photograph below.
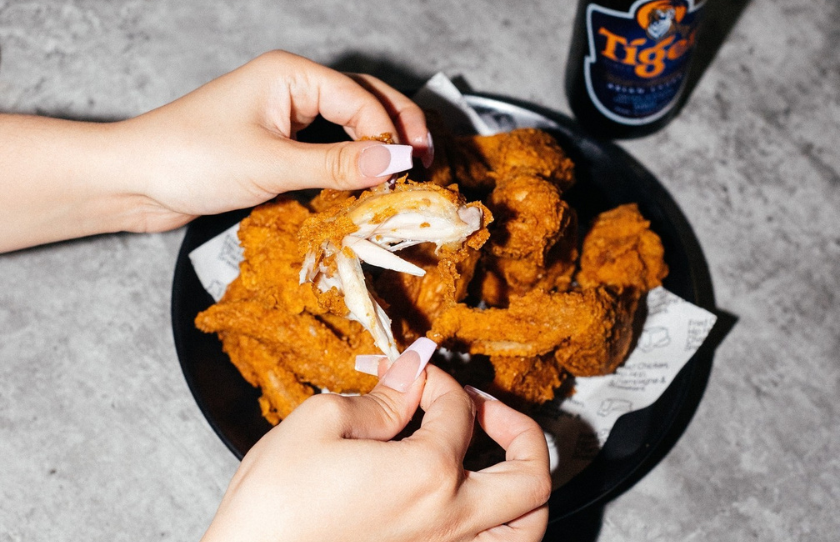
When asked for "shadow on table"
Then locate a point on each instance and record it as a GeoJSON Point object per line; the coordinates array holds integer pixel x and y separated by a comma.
{"type": "Point", "coordinates": [583, 526]}
{"type": "Point", "coordinates": [390, 71]}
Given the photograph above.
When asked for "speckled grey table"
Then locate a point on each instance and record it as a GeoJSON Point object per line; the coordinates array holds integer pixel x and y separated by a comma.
{"type": "Point", "coordinates": [99, 436]}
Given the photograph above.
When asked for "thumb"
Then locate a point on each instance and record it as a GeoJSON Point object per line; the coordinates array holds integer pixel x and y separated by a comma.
{"type": "Point", "coordinates": [387, 409]}
{"type": "Point", "coordinates": [348, 165]}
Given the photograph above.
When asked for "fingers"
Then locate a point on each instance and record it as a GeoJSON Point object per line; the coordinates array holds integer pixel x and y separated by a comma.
{"type": "Point", "coordinates": [407, 116]}
{"type": "Point", "coordinates": [511, 490]}
{"type": "Point", "coordinates": [387, 409]}
{"type": "Point", "coordinates": [449, 415]}
{"type": "Point", "coordinates": [528, 528]}
{"type": "Point", "coordinates": [362, 104]}
{"type": "Point", "coordinates": [347, 165]}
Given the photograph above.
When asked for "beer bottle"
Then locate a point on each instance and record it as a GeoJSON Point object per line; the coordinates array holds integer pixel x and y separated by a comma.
{"type": "Point", "coordinates": [628, 63]}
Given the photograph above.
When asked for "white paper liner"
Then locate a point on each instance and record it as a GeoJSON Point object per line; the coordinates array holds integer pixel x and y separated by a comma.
{"type": "Point", "coordinates": [577, 427]}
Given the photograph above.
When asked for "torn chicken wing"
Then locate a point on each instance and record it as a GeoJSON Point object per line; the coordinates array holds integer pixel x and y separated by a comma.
{"type": "Point", "coordinates": [370, 229]}
{"type": "Point", "coordinates": [514, 290]}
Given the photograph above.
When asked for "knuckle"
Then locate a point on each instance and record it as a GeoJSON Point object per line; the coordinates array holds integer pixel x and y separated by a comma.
{"type": "Point", "coordinates": [541, 488]}
{"type": "Point", "coordinates": [442, 474]}
{"type": "Point", "coordinates": [390, 408]}
{"type": "Point", "coordinates": [326, 406]}
{"type": "Point", "coordinates": [339, 161]}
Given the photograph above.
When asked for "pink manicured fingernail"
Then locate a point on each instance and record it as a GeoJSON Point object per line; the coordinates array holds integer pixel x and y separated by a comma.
{"type": "Point", "coordinates": [369, 364]}
{"type": "Point", "coordinates": [381, 160]}
{"type": "Point", "coordinates": [429, 155]}
{"type": "Point", "coordinates": [475, 392]}
{"type": "Point", "coordinates": [409, 365]}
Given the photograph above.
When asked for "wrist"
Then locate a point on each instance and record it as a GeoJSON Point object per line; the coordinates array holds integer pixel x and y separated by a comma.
{"type": "Point", "coordinates": [60, 180]}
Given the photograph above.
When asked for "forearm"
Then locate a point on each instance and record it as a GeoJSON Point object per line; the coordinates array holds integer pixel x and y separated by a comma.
{"type": "Point", "coordinates": [61, 179]}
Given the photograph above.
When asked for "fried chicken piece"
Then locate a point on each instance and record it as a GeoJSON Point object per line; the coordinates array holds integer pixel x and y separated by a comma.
{"type": "Point", "coordinates": [305, 344]}
{"type": "Point", "coordinates": [282, 392]}
{"type": "Point", "coordinates": [370, 228]}
{"type": "Point", "coordinates": [480, 162]}
{"type": "Point", "coordinates": [529, 379]}
{"type": "Point", "coordinates": [270, 269]}
{"type": "Point", "coordinates": [530, 215]}
{"type": "Point", "coordinates": [267, 303]}
{"type": "Point", "coordinates": [536, 324]}
{"type": "Point", "coordinates": [621, 251]}
{"type": "Point", "coordinates": [534, 244]}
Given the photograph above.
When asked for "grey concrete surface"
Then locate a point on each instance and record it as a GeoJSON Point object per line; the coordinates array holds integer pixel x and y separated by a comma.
{"type": "Point", "coordinates": [99, 436]}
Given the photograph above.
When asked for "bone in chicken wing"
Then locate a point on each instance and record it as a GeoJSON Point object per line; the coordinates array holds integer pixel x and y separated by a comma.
{"type": "Point", "coordinates": [478, 162]}
{"type": "Point", "coordinates": [289, 338]}
{"type": "Point", "coordinates": [533, 244]}
{"type": "Point", "coordinates": [370, 228]}
{"type": "Point", "coordinates": [620, 250]}
{"type": "Point", "coordinates": [274, 329]}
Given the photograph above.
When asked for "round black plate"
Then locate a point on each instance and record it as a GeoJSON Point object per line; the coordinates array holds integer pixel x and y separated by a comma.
{"type": "Point", "coordinates": [607, 177]}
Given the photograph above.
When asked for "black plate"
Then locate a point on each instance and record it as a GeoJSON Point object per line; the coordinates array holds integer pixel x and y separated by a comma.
{"type": "Point", "coordinates": [607, 177]}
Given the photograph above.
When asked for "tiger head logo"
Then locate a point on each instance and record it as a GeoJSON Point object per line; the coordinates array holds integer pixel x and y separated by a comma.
{"type": "Point", "coordinates": [662, 18]}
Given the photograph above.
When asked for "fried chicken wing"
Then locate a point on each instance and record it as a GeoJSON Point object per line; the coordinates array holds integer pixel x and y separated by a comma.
{"type": "Point", "coordinates": [531, 380]}
{"type": "Point", "coordinates": [534, 324]}
{"type": "Point", "coordinates": [282, 390]}
{"type": "Point", "coordinates": [480, 162]}
{"type": "Point", "coordinates": [620, 250]}
{"type": "Point", "coordinates": [370, 228]}
{"type": "Point", "coordinates": [304, 343]}
{"type": "Point", "coordinates": [502, 280]}
{"type": "Point", "coordinates": [534, 244]}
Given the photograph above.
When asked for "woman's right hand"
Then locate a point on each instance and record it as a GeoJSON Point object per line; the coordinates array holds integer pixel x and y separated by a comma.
{"type": "Point", "coordinates": [331, 471]}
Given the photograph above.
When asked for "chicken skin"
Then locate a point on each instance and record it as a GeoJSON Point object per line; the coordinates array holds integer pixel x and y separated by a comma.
{"type": "Point", "coordinates": [500, 277]}
{"type": "Point", "coordinates": [287, 333]}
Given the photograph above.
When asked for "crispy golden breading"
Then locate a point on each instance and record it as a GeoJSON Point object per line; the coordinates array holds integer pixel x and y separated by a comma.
{"type": "Point", "coordinates": [588, 331]}
{"type": "Point", "coordinates": [529, 379]}
{"type": "Point", "coordinates": [308, 346]}
{"type": "Point", "coordinates": [534, 324]}
{"type": "Point", "coordinates": [620, 250]}
{"type": "Point", "coordinates": [271, 266]}
{"type": "Point", "coordinates": [514, 291]}
{"type": "Point", "coordinates": [282, 390]}
{"type": "Point", "coordinates": [535, 244]}
{"type": "Point", "coordinates": [530, 215]}
{"type": "Point", "coordinates": [479, 162]}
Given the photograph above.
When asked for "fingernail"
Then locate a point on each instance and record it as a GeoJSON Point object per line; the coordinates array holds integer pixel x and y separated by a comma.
{"type": "Point", "coordinates": [475, 392]}
{"type": "Point", "coordinates": [369, 364]}
{"type": "Point", "coordinates": [409, 365]}
{"type": "Point", "coordinates": [429, 155]}
{"type": "Point", "coordinates": [381, 160]}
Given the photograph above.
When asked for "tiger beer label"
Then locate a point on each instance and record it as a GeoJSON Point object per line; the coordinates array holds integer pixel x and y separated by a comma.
{"type": "Point", "coordinates": [638, 60]}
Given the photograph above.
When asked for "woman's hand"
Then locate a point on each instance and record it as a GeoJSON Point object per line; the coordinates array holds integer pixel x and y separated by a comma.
{"type": "Point", "coordinates": [330, 471]}
{"type": "Point", "coordinates": [227, 145]}
{"type": "Point", "coordinates": [231, 143]}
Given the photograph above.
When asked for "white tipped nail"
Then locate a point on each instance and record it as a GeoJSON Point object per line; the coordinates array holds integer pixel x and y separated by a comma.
{"type": "Point", "coordinates": [429, 154]}
{"type": "Point", "coordinates": [369, 364]}
{"type": "Point", "coordinates": [424, 348]}
{"type": "Point", "coordinates": [477, 392]}
{"type": "Point", "coordinates": [408, 367]}
{"type": "Point", "coordinates": [400, 159]}
{"type": "Point", "coordinates": [382, 160]}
